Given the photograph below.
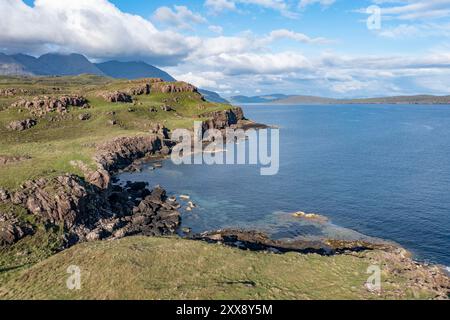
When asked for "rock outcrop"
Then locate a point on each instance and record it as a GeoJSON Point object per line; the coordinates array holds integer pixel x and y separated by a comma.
{"type": "Point", "coordinates": [12, 229]}
{"type": "Point", "coordinates": [11, 92]}
{"type": "Point", "coordinates": [121, 152]}
{"type": "Point", "coordinates": [21, 125]}
{"type": "Point", "coordinates": [223, 119]}
{"type": "Point", "coordinates": [40, 106]}
{"type": "Point", "coordinates": [66, 200]}
{"type": "Point", "coordinates": [88, 213]}
{"type": "Point", "coordinates": [116, 97]}
{"type": "Point", "coordinates": [172, 87]}
{"type": "Point", "coordinates": [5, 160]}
{"type": "Point", "coordinates": [139, 90]}
{"type": "Point", "coordinates": [259, 241]}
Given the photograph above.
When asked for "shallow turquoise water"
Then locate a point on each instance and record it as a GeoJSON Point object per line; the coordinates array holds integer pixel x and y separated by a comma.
{"type": "Point", "coordinates": [383, 171]}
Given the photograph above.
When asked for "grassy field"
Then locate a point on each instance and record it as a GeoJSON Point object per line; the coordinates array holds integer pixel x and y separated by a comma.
{"type": "Point", "coordinates": [168, 268]}
{"type": "Point", "coordinates": [52, 145]}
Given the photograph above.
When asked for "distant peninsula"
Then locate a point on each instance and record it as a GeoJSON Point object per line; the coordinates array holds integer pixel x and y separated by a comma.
{"type": "Point", "coordinates": [280, 99]}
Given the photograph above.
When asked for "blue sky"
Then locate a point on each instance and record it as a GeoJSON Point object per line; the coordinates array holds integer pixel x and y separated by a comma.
{"type": "Point", "coordinates": [314, 47]}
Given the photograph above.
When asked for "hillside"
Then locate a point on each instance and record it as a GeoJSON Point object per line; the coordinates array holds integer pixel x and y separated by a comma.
{"type": "Point", "coordinates": [258, 99]}
{"type": "Point", "coordinates": [170, 268]}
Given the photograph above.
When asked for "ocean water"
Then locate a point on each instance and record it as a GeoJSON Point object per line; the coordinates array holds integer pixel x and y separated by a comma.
{"type": "Point", "coordinates": [381, 171]}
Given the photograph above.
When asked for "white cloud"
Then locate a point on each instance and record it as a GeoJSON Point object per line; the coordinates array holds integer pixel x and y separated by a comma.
{"type": "Point", "coordinates": [299, 37]}
{"type": "Point", "coordinates": [414, 9]}
{"type": "Point", "coordinates": [216, 29]}
{"type": "Point", "coordinates": [324, 3]}
{"type": "Point", "coordinates": [181, 17]}
{"type": "Point", "coordinates": [282, 6]}
{"type": "Point", "coordinates": [93, 27]}
{"type": "Point", "coordinates": [217, 6]}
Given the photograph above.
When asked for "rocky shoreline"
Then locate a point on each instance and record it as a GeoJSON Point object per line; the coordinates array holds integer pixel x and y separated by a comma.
{"type": "Point", "coordinates": [94, 208]}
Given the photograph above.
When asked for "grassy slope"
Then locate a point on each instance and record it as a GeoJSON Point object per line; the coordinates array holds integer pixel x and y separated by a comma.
{"type": "Point", "coordinates": [52, 145]}
{"type": "Point", "coordinates": [167, 268]}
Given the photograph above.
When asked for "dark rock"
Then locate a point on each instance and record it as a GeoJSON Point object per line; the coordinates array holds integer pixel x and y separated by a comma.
{"type": "Point", "coordinates": [160, 130]}
{"type": "Point", "coordinates": [140, 90]}
{"type": "Point", "coordinates": [259, 241]}
{"type": "Point", "coordinates": [166, 108]}
{"type": "Point", "coordinates": [21, 125]}
{"type": "Point", "coordinates": [4, 195]}
{"type": "Point", "coordinates": [12, 230]}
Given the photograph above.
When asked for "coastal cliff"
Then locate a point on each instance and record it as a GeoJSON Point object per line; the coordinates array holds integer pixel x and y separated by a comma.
{"type": "Point", "coordinates": [57, 187]}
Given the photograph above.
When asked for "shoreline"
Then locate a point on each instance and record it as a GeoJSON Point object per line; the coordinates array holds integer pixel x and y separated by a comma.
{"type": "Point", "coordinates": [125, 152]}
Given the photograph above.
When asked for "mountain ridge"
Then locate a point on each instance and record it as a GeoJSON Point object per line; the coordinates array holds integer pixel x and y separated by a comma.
{"type": "Point", "coordinates": [55, 64]}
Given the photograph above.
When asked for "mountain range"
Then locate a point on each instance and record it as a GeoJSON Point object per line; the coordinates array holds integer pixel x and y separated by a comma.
{"type": "Point", "coordinates": [53, 64]}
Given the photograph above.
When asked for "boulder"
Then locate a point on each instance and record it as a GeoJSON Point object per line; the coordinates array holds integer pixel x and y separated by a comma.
{"type": "Point", "coordinates": [166, 108]}
{"type": "Point", "coordinates": [84, 116]}
{"type": "Point", "coordinates": [21, 125]}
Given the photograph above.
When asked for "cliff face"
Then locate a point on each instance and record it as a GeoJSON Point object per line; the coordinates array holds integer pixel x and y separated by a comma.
{"type": "Point", "coordinates": [91, 208]}
{"type": "Point", "coordinates": [223, 119]}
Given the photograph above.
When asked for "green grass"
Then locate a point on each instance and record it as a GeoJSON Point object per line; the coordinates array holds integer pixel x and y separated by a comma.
{"type": "Point", "coordinates": [168, 268]}
{"type": "Point", "coordinates": [53, 144]}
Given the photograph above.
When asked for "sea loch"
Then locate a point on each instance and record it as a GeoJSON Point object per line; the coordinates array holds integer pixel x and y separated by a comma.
{"type": "Point", "coordinates": [381, 170]}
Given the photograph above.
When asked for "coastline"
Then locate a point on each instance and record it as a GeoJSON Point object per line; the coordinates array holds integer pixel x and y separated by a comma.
{"type": "Point", "coordinates": [87, 206]}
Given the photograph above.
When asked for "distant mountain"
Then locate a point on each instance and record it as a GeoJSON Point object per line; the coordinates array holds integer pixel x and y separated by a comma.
{"type": "Point", "coordinates": [132, 70]}
{"type": "Point", "coordinates": [299, 99]}
{"type": "Point", "coordinates": [53, 64]}
{"type": "Point", "coordinates": [417, 99]}
{"type": "Point", "coordinates": [10, 67]}
{"type": "Point", "coordinates": [305, 100]}
{"type": "Point", "coordinates": [212, 96]}
{"type": "Point", "coordinates": [258, 99]}
{"type": "Point", "coordinates": [56, 64]}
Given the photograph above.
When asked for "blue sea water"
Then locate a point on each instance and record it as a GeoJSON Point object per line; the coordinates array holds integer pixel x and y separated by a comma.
{"type": "Point", "coordinates": [376, 170]}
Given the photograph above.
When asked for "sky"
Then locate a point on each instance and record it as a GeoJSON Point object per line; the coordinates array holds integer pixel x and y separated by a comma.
{"type": "Point", "coordinates": [332, 48]}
